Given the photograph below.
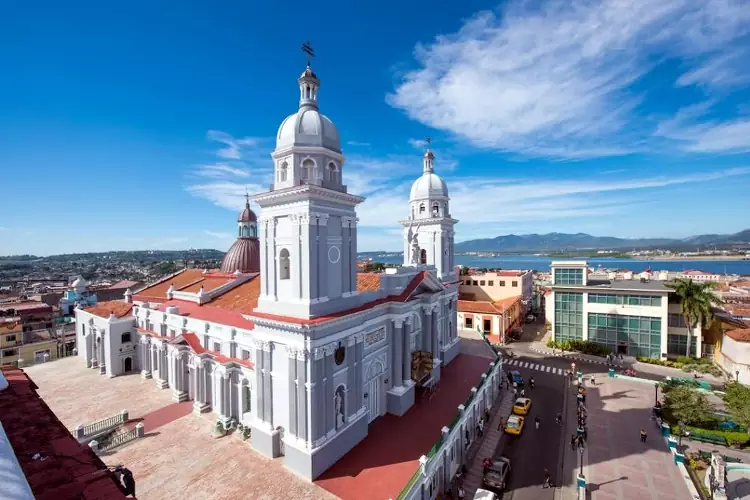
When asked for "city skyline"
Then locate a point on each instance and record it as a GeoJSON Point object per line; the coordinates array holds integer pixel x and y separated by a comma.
{"type": "Point", "coordinates": [149, 139]}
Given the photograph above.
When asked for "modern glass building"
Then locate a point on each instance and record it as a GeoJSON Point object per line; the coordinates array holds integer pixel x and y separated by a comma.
{"type": "Point", "coordinates": [633, 317]}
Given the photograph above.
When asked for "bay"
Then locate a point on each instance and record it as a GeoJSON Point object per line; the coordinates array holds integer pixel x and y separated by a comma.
{"type": "Point", "coordinates": [541, 263]}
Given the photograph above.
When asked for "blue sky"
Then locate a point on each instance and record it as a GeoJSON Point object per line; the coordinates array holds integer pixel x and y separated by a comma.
{"type": "Point", "coordinates": [139, 126]}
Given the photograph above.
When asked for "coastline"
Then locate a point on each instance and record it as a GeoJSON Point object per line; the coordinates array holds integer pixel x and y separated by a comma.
{"type": "Point", "coordinates": [728, 258]}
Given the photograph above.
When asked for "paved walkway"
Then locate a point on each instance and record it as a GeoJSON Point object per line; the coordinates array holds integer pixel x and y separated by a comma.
{"type": "Point", "coordinates": [488, 444]}
{"type": "Point", "coordinates": [619, 465]}
{"type": "Point", "coordinates": [162, 416]}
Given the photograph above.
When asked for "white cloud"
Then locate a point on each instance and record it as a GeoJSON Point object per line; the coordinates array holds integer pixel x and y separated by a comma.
{"type": "Point", "coordinates": [358, 144]}
{"type": "Point", "coordinates": [558, 79]}
{"type": "Point", "coordinates": [418, 143]}
{"type": "Point", "coordinates": [233, 145]}
{"type": "Point", "coordinates": [219, 235]}
{"type": "Point", "coordinates": [698, 134]}
{"type": "Point", "coordinates": [221, 170]}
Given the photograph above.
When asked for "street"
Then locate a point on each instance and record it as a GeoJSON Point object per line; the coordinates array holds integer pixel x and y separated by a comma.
{"type": "Point", "coordinates": [536, 450]}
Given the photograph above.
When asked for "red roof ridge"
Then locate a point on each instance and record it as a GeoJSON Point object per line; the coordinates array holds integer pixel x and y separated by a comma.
{"type": "Point", "coordinates": [195, 345]}
{"type": "Point", "coordinates": [402, 297]}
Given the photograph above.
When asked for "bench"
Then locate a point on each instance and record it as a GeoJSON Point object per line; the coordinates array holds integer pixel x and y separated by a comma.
{"type": "Point", "coordinates": [705, 455]}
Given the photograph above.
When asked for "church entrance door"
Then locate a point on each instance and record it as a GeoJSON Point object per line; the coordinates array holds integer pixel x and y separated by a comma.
{"type": "Point", "coordinates": [375, 391]}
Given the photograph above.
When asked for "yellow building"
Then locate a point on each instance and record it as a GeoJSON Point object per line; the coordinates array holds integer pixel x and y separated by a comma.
{"type": "Point", "coordinates": [30, 347]}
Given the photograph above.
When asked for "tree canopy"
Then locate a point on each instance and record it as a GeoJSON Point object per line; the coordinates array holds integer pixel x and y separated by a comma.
{"type": "Point", "coordinates": [689, 406]}
{"type": "Point", "coordinates": [737, 398]}
{"type": "Point", "coordinates": [696, 304]}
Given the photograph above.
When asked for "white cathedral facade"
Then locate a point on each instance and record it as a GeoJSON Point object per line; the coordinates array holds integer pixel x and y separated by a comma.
{"type": "Point", "coordinates": [288, 337]}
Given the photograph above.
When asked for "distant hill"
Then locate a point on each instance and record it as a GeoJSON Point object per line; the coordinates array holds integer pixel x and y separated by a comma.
{"type": "Point", "coordinates": [556, 242]}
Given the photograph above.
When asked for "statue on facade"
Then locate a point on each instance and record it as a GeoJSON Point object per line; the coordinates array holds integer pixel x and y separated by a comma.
{"type": "Point", "coordinates": [339, 406]}
{"type": "Point", "coordinates": [414, 245]}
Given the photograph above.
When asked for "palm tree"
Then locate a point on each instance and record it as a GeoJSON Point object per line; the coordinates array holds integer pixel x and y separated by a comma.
{"type": "Point", "coordinates": [696, 303]}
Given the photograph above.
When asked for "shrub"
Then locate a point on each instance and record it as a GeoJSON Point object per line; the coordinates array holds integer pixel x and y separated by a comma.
{"type": "Point", "coordinates": [551, 343]}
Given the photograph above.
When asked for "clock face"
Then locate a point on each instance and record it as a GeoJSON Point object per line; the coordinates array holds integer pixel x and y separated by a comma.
{"type": "Point", "coordinates": [334, 255]}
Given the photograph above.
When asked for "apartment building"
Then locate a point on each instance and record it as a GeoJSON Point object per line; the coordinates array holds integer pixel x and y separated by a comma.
{"type": "Point", "coordinates": [497, 285]}
{"type": "Point", "coordinates": [635, 317]}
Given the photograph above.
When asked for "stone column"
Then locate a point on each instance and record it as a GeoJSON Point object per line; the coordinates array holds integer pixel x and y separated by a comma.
{"type": "Point", "coordinates": [359, 378]}
{"type": "Point", "coordinates": [350, 401]}
{"type": "Point", "coordinates": [398, 352]}
{"type": "Point", "coordinates": [145, 354]}
{"type": "Point", "coordinates": [406, 358]}
{"type": "Point", "coordinates": [427, 330]}
{"type": "Point", "coordinates": [352, 269]}
{"type": "Point", "coordinates": [218, 396]}
{"type": "Point", "coordinates": [268, 383]}
{"type": "Point", "coordinates": [297, 263]}
{"type": "Point", "coordinates": [328, 394]}
{"type": "Point", "coordinates": [315, 391]}
{"type": "Point", "coordinates": [293, 386]}
{"type": "Point", "coordinates": [432, 318]}
{"type": "Point", "coordinates": [300, 360]}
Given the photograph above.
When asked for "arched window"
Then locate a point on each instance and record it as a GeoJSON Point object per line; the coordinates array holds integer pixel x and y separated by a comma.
{"type": "Point", "coordinates": [332, 174]}
{"type": "Point", "coordinates": [308, 170]}
{"type": "Point", "coordinates": [423, 256]}
{"type": "Point", "coordinates": [422, 208]}
{"type": "Point", "coordinates": [435, 210]}
{"type": "Point", "coordinates": [284, 264]}
{"type": "Point", "coordinates": [252, 231]}
{"type": "Point", "coordinates": [283, 168]}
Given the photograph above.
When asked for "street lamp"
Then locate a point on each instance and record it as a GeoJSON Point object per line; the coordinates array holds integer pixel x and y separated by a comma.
{"type": "Point", "coordinates": [581, 449]}
{"type": "Point", "coordinates": [656, 395]}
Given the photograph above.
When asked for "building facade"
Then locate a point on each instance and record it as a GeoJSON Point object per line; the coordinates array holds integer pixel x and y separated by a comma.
{"type": "Point", "coordinates": [634, 317]}
{"type": "Point", "coordinates": [493, 319]}
{"type": "Point", "coordinates": [287, 337]}
{"type": "Point", "coordinates": [497, 285]}
{"type": "Point", "coordinates": [77, 293]}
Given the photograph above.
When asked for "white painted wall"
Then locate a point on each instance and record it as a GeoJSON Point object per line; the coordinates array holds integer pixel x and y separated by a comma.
{"type": "Point", "coordinates": [735, 356]}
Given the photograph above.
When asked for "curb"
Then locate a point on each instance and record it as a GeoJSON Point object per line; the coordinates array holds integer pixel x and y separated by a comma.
{"type": "Point", "coordinates": [571, 356]}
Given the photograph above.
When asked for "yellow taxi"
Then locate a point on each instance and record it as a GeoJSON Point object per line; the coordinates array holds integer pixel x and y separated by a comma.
{"type": "Point", "coordinates": [522, 406]}
{"type": "Point", "coordinates": [514, 425]}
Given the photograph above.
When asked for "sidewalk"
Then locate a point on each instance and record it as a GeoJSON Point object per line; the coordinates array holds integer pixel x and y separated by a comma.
{"type": "Point", "coordinates": [655, 370]}
{"type": "Point", "coordinates": [571, 458]}
{"type": "Point", "coordinates": [487, 447]}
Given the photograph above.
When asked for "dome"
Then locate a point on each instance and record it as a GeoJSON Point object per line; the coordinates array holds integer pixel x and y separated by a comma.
{"type": "Point", "coordinates": [308, 127]}
{"type": "Point", "coordinates": [243, 256]}
{"type": "Point", "coordinates": [430, 185]}
{"type": "Point", "coordinates": [247, 215]}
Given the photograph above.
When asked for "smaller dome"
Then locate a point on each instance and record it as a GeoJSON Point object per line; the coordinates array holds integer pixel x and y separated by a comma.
{"type": "Point", "coordinates": [308, 73]}
{"type": "Point", "coordinates": [247, 215]}
{"type": "Point", "coordinates": [429, 185]}
{"type": "Point", "coordinates": [243, 256]}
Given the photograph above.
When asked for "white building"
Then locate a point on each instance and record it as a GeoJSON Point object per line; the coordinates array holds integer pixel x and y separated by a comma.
{"type": "Point", "coordinates": [634, 316]}
{"type": "Point", "coordinates": [287, 337]}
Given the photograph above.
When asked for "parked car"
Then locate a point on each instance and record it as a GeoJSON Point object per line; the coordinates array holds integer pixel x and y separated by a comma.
{"type": "Point", "coordinates": [495, 476]}
{"type": "Point", "coordinates": [514, 425]}
{"type": "Point", "coordinates": [530, 318]}
{"type": "Point", "coordinates": [516, 378]}
{"type": "Point", "coordinates": [522, 406]}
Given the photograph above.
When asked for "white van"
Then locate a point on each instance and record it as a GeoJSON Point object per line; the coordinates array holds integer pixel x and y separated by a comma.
{"type": "Point", "coordinates": [485, 495]}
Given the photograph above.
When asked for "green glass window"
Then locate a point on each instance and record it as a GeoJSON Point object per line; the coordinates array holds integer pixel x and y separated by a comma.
{"type": "Point", "coordinates": [639, 335]}
{"type": "Point", "coordinates": [568, 316]}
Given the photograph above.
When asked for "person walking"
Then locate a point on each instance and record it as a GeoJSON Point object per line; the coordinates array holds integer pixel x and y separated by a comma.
{"type": "Point", "coordinates": [501, 424]}
{"type": "Point", "coordinates": [480, 428]}
{"type": "Point", "coordinates": [537, 421]}
{"type": "Point", "coordinates": [547, 480]}
{"type": "Point", "coordinates": [573, 442]}
{"type": "Point", "coordinates": [487, 414]}
{"type": "Point", "coordinates": [643, 435]}
{"type": "Point", "coordinates": [558, 419]}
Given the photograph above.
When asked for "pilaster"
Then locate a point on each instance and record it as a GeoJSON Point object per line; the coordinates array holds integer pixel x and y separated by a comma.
{"type": "Point", "coordinates": [397, 375]}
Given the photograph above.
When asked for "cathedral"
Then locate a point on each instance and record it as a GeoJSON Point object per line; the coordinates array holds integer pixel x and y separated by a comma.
{"type": "Point", "coordinates": [287, 337]}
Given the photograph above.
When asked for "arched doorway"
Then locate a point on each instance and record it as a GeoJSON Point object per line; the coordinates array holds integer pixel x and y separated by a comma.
{"type": "Point", "coordinates": [423, 257]}
{"type": "Point", "coordinates": [128, 365]}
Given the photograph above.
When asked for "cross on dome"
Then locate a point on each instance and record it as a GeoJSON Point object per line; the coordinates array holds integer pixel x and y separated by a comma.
{"type": "Point", "coordinates": [429, 158]}
{"type": "Point", "coordinates": [308, 81]}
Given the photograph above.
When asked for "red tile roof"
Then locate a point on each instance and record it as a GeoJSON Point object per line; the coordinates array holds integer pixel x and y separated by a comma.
{"type": "Point", "coordinates": [740, 335]}
{"type": "Point", "coordinates": [194, 343]}
{"type": "Point", "coordinates": [368, 282]}
{"type": "Point", "coordinates": [123, 284]}
{"type": "Point", "coordinates": [242, 298]}
{"type": "Point", "coordinates": [65, 469]}
{"type": "Point", "coordinates": [158, 291]}
{"type": "Point", "coordinates": [487, 307]}
{"type": "Point", "coordinates": [117, 307]}
{"type": "Point", "coordinates": [737, 309]}
{"type": "Point", "coordinates": [402, 297]}
{"type": "Point", "coordinates": [208, 284]}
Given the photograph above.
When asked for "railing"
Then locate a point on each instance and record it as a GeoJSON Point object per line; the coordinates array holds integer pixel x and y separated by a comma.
{"type": "Point", "coordinates": [431, 463]}
{"type": "Point", "coordinates": [118, 439]}
{"type": "Point", "coordinates": [84, 431]}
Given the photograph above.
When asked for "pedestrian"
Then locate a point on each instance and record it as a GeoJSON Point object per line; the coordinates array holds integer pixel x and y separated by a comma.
{"type": "Point", "coordinates": [573, 442]}
{"type": "Point", "coordinates": [480, 428]}
{"type": "Point", "coordinates": [523, 392]}
{"type": "Point", "coordinates": [515, 392]}
{"type": "Point", "coordinates": [487, 414]}
{"type": "Point", "coordinates": [581, 444]}
{"type": "Point", "coordinates": [643, 435]}
{"type": "Point", "coordinates": [468, 438]}
{"type": "Point", "coordinates": [501, 424]}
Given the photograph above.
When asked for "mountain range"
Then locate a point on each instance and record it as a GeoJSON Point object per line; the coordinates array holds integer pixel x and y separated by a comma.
{"type": "Point", "coordinates": [556, 242]}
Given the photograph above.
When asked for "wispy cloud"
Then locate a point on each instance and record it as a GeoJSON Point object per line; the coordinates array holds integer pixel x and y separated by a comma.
{"type": "Point", "coordinates": [221, 170]}
{"type": "Point", "coordinates": [233, 146]}
{"type": "Point", "coordinates": [698, 134]}
{"type": "Point", "coordinates": [219, 235]}
{"type": "Point", "coordinates": [557, 78]}
{"type": "Point", "coordinates": [358, 144]}
{"type": "Point", "coordinates": [418, 143]}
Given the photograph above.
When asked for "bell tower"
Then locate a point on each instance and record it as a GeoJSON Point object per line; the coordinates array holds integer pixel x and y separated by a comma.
{"type": "Point", "coordinates": [308, 224]}
{"type": "Point", "coordinates": [428, 231]}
